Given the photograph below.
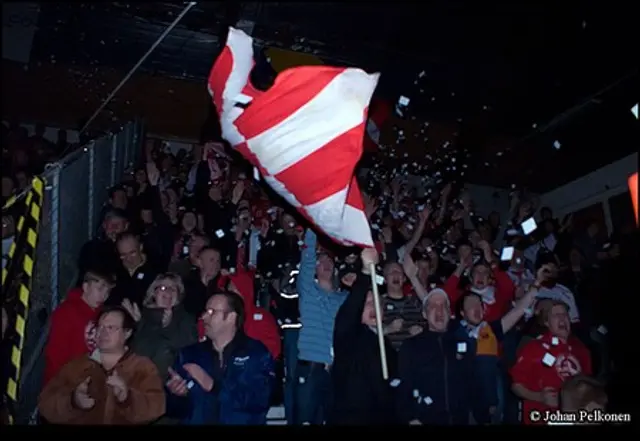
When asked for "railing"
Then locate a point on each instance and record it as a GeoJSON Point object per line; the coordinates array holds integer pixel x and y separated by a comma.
{"type": "Point", "coordinates": [75, 191]}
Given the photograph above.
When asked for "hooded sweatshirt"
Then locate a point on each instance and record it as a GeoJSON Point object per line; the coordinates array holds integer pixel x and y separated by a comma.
{"type": "Point", "coordinates": [259, 323]}
{"type": "Point", "coordinates": [72, 333]}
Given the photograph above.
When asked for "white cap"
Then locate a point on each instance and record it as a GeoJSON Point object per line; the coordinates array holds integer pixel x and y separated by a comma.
{"type": "Point", "coordinates": [435, 292]}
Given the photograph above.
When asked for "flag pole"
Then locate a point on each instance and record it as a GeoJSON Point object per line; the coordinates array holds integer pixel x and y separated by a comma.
{"type": "Point", "coordinates": [376, 302]}
{"type": "Point", "coordinates": [137, 65]}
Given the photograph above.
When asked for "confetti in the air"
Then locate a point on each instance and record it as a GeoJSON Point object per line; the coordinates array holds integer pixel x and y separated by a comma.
{"type": "Point", "coordinates": [634, 110]}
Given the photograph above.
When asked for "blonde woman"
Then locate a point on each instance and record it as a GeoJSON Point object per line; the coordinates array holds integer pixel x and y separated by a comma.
{"type": "Point", "coordinates": [163, 325]}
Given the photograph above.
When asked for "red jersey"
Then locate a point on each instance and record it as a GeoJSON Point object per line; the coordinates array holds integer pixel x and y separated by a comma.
{"type": "Point", "coordinates": [504, 291]}
{"type": "Point", "coordinates": [533, 371]}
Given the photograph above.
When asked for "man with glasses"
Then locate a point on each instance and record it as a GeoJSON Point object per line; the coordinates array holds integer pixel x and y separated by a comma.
{"type": "Point", "coordinates": [226, 379]}
{"type": "Point", "coordinates": [111, 386]}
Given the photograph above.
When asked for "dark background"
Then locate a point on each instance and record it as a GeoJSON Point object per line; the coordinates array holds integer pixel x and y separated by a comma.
{"type": "Point", "coordinates": [493, 71]}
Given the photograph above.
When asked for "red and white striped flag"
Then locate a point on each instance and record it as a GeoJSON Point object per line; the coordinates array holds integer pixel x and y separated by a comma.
{"type": "Point", "coordinates": [304, 134]}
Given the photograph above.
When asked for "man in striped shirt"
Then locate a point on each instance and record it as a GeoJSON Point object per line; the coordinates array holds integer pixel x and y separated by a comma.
{"type": "Point", "coordinates": [319, 304]}
{"type": "Point", "coordinates": [402, 313]}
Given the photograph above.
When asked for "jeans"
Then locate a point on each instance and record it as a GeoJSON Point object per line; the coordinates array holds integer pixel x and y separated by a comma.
{"type": "Point", "coordinates": [290, 354]}
{"type": "Point", "coordinates": [313, 393]}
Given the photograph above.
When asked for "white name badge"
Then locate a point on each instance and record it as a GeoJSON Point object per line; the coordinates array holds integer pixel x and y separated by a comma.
{"type": "Point", "coordinates": [257, 316]}
{"type": "Point", "coordinates": [140, 276]}
{"type": "Point", "coordinates": [462, 347]}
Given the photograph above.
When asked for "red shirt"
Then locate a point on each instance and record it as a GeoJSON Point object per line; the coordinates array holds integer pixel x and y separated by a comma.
{"type": "Point", "coordinates": [504, 293]}
{"type": "Point", "coordinates": [569, 359]}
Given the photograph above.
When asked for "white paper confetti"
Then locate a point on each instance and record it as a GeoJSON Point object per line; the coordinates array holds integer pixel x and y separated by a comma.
{"type": "Point", "coordinates": [548, 359]}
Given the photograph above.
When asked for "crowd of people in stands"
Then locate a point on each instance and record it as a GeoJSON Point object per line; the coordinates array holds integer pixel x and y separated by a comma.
{"type": "Point", "coordinates": [204, 299]}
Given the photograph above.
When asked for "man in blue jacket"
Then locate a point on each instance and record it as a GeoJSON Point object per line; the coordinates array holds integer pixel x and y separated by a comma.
{"type": "Point", "coordinates": [226, 379]}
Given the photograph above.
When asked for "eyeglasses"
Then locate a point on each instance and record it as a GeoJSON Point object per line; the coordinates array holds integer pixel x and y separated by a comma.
{"type": "Point", "coordinates": [166, 288]}
{"type": "Point", "coordinates": [109, 328]}
{"type": "Point", "coordinates": [212, 311]}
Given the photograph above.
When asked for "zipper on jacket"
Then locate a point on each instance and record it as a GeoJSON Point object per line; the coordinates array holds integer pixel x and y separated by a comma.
{"type": "Point", "coordinates": [446, 380]}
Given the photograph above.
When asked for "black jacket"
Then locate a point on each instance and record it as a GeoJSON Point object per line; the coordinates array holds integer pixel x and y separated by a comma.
{"type": "Point", "coordinates": [361, 395]}
{"type": "Point", "coordinates": [133, 286]}
{"type": "Point", "coordinates": [434, 370]}
{"type": "Point", "coordinates": [197, 294]}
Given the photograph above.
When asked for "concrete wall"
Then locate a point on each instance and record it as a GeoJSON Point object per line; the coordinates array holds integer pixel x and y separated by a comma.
{"type": "Point", "coordinates": [487, 199]}
{"type": "Point", "coordinates": [596, 187]}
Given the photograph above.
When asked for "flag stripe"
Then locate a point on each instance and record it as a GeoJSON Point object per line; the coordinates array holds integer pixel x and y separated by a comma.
{"type": "Point", "coordinates": [326, 170]}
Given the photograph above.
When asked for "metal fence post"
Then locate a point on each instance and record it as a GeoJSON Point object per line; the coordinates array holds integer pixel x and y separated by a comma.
{"type": "Point", "coordinates": [114, 158]}
{"type": "Point", "coordinates": [54, 222]}
{"type": "Point", "coordinates": [91, 188]}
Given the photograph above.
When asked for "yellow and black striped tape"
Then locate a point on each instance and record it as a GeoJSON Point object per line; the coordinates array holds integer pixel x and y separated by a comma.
{"type": "Point", "coordinates": [26, 239]}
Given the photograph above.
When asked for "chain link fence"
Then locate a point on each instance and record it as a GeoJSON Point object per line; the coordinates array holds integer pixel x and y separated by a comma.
{"type": "Point", "coordinates": [76, 190]}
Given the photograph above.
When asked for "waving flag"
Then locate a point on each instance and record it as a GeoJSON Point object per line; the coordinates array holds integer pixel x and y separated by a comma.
{"type": "Point", "coordinates": [304, 134]}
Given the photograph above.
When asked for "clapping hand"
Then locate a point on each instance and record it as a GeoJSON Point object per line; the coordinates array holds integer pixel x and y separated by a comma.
{"type": "Point", "coordinates": [81, 396]}
{"type": "Point", "coordinates": [176, 384]}
{"type": "Point", "coordinates": [120, 388]}
{"type": "Point", "coordinates": [200, 376]}
{"type": "Point", "coordinates": [132, 309]}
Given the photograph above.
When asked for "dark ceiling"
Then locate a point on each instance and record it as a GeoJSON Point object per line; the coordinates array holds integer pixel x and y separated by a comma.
{"type": "Point", "coordinates": [529, 73]}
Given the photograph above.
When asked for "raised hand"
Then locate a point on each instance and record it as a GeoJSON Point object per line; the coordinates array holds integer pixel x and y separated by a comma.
{"type": "Point", "coordinates": [369, 256]}
{"type": "Point", "coordinates": [132, 309]}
